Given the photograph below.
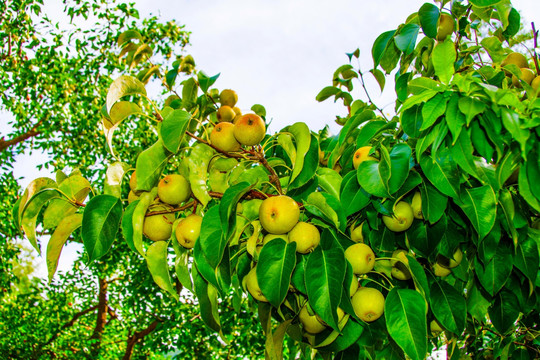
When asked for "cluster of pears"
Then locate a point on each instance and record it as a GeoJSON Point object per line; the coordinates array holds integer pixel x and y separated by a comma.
{"type": "Point", "coordinates": [172, 190]}
{"type": "Point", "coordinates": [526, 74]}
{"type": "Point", "coordinates": [235, 130]}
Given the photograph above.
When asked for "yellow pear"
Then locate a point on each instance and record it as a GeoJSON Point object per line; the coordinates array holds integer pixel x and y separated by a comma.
{"type": "Point", "coordinates": [440, 270]}
{"type": "Point", "coordinates": [445, 27]}
{"type": "Point", "coordinates": [228, 97]}
{"type": "Point", "coordinates": [361, 257]}
{"type": "Point", "coordinates": [416, 205]}
{"type": "Point", "coordinates": [249, 130]}
{"type": "Point", "coordinates": [174, 189]}
{"type": "Point", "coordinates": [225, 113]}
{"type": "Point", "coordinates": [368, 304]}
{"type": "Point", "coordinates": [402, 219]}
{"type": "Point", "coordinates": [279, 214]}
{"type": "Point", "coordinates": [223, 138]}
{"type": "Point", "coordinates": [361, 155]}
{"type": "Point", "coordinates": [158, 227]}
{"type": "Point", "coordinates": [252, 285]}
{"type": "Point", "coordinates": [356, 233]}
{"type": "Point", "coordinates": [306, 236]}
{"type": "Point", "coordinates": [310, 323]}
{"type": "Point", "coordinates": [451, 263]}
{"type": "Point", "coordinates": [188, 230]}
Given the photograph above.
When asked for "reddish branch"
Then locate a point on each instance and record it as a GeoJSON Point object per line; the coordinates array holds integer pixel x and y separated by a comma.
{"type": "Point", "coordinates": [136, 337]}
{"type": "Point", "coordinates": [101, 320]}
{"type": "Point", "coordinates": [4, 144]}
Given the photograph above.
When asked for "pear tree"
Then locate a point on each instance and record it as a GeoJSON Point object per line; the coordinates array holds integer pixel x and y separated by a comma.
{"type": "Point", "coordinates": [426, 222]}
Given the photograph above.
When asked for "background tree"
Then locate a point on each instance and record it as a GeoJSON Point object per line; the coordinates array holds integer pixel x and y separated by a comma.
{"type": "Point", "coordinates": [53, 80]}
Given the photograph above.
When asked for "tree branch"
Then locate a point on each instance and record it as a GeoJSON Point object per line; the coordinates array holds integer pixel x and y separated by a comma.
{"type": "Point", "coordinates": [136, 337]}
{"type": "Point", "coordinates": [101, 319]}
{"type": "Point", "coordinates": [4, 144]}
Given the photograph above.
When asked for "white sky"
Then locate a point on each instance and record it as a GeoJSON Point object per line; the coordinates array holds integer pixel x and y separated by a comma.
{"type": "Point", "coordinates": [279, 53]}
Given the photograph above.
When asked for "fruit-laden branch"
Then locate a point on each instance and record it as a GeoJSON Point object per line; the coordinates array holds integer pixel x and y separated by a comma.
{"type": "Point", "coordinates": [252, 155]}
{"type": "Point", "coordinates": [136, 337]}
{"type": "Point", "coordinates": [101, 319]}
{"type": "Point", "coordinates": [4, 144]}
{"type": "Point", "coordinates": [40, 349]}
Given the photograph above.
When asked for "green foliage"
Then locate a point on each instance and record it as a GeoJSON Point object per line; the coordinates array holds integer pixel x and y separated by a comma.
{"type": "Point", "coordinates": [464, 136]}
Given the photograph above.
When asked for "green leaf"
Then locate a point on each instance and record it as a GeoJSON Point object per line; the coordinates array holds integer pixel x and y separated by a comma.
{"type": "Point", "coordinates": [277, 260]}
{"type": "Point", "coordinates": [379, 46]}
{"type": "Point", "coordinates": [212, 240]}
{"type": "Point", "coordinates": [329, 180]}
{"type": "Point", "coordinates": [370, 178]}
{"type": "Point", "coordinates": [352, 196]}
{"type": "Point", "coordinates": [419, 277]}
{"type": "Point", "coordinates": [352, 124]}
{"type": "Point", "coordinates": [208, 301]}
{"type": "Point", "coordinates": [173, 129]}
{"type": "Point", "coordinates": [120, 111]}
{"type": "Point", "coordinates": [100, 223]}
{"type": "Point", "coordinates": [405, 311]}
{"type": "Point", "coordinates": [504, 311]}
{"type": "Point", "coordinates": [370, 130]}
{"type": "Point", "coordinates": [189, 93]}
{"type": "Point", "coordinates": [324, 290]}
{"type": "Point", "coordinates": [470, 107]}
{"type": "Point", "coordinates": [411, 121]}
{"type": "Point", "coordinates": [123, 86]}
{"type": "Point", "coordinates": [206, 81]}
{"type": "Point", "coordinates": [326, 207]}
{"type": "Point", "coordinates": [259, 110]}
{"type": "Point", "coordinates": [477, 302]}
{"type": "Point", "coordinates": [181, 262]}
{"type": "Point", "coordinates": [527, 259]}
{"type": "Point", "coordinates": [442, 172]}
{"type": "Point", "coordinates": [429, 16]}
{"type": "Point", "coordinates": [433, 203]}
{"type": "Point", "coordinates": [418, 85]}
{"type": "Point", "coordinates": [507, 205]}
{"type": "Point", "coordinates": [443, 57]}
{"type": "Point", "coordinates": [484, 3]}
{"type": "Point", "coordinates": [514, 125]}
{"type": "Point", "coordinates": [310, 165]}
{"type": "Point", "coordinates": [137, 220]}
{"type": "Point", "coordinates": [127, 36]}
{"type": "Point", "coordinates": [406, 39]}
{"type": "Point", "coordinates": [150, 164]}
{"type": "Point", "coordinates": [400, 159]}
{"type": "Point", "coordinates": [227, 211]}
{"type": "Point", "coordinates": [507, 165]}
{"type": "Point", "coordinates": [462, 152]}
{"type": "Point", "coordinates": [480, 206]}
{"type": "Point", "coordinates": [302, 136]}
{"type": "Point", "coordinates": [455, 119]}
{"type": "Point", "coordinates": [494, 273]}
{"type": "Point", "coordinates": [448, 306]}
{"type": "Point", "coordinates": [433, 109]}
{"type": "Point", "coordinates": [76, 188]}
{"type": "Point", "coordinates": [58, 239]}
{"type": "Point", "coordinates": [327, 92]}
{"type": "Point", "coordinates": [525, 189]}
{"type": "Point", "coordinates": [198, 161]}
{"type": "Point", "coordinates": [127, 225]}
{"type": "Point", "coordinates": [514, 23]}
{"type": "Point", "coordinates": [379, 76]}
{"type": "Point", "coordinates": [31, 212]}
{"type": "Point", "coordinates": [156, 259]}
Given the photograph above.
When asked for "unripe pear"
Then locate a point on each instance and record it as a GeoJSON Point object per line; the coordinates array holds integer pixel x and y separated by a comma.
{"type": "Point", "coordinates": [536, 84]}
{"type": "Point", "coordinates": [435, 327]}
{"type": "Point", "coordinates": [445, 26]}
{"type": "Point", "coordinates": [517, 59]}
{"type": "Point", "coordinates": [527, 75]}
{"type": "Point", "coordinates": [158, 227]}
{"type": "Point", "coordinates": [451, 263]}
{"type": "Point", "coordinates": [228, 97]}
{"type": "Point", "coordinates": [252, 285]}
{"type": "Point", "coordinates": [416, 205]}
{"type": "Point", "coordinates": [440, 270]}
{"type": "Point", "coordinates": [223, 138]}
{"type": "Point", "coordinates": [225, 113]}
{"type": "Point", "coordinates": [356, 233]}
{"type": "Point", "coordinates": [188, 230]}
{"type": "Point", "coordinates": [368, 304]}
{"type": "Point", "coordinates": [310, 323]}
{"type": "Point", "coordinates": [174, 189]}
{"type": "Point", "coordinates": [132, 197]}
{"type": "Point", "coordinates": [400, 265]}
{"type": "Point", "coordinates": [361, 258]}
{"type": "Point", "coordinates": [402, 219]}
{"type": "Point", "coordinates": [354, 285]}
{"type": "Point", "coordinates": [306, 236]}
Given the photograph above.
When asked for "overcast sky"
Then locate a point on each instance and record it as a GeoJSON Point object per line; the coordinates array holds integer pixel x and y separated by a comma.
{"type": "Point", "coordinates": [281, 53]}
